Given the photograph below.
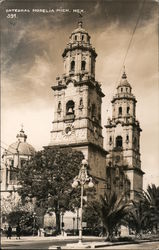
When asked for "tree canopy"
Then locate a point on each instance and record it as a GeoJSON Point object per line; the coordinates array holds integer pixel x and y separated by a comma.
{"type": "Point", "coordinates": [48, 177]}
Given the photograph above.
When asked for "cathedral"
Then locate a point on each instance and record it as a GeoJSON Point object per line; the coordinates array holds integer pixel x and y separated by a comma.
{"type": "Point", "coordinates": [78, 124]}
{"type": "Point", "coordinates": [77, 120]}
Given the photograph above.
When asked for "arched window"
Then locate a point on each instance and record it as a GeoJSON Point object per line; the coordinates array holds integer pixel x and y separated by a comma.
{"type": "Point", "coordinates": [128, 109]}
{"type": "Point", "coordinates": [120, 110]}
{"type": "Point", "coordinates": [127, 138]}
{"type": "Point", "coordinates": [72, 65]}
{"type": "Point", "coordinates": [119, 141]}
{"type": "Point", "coordinates": [81, 101]}
{"type": "Point", "coordinates": [70, 107]}
{"type": "Point", "coordinates": [81, 104]}
{"type": "Point", "coordinates": [59, 106]}
{"type": "Point", "coordinates": [110, 140]}
{"type": "Point", "coordinates": [83, 65]}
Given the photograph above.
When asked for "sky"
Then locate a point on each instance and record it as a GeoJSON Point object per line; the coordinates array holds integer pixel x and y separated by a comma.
{"type": "Point", "coordinates": [32, 44]}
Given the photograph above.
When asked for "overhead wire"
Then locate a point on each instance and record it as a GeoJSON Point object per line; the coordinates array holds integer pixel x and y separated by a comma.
{"type": "Point", "coordinates": [8, 145]}
{"type": "Point", "coordinates": [128, 48]}
{"type": "Point", "coordinates": [7, 149]}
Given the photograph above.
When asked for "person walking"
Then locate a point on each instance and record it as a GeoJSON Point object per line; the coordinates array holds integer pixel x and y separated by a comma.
{"type": "Point", "coordinates": [9, 232]}
{"type": "Point", "coordinates": [18, 231]}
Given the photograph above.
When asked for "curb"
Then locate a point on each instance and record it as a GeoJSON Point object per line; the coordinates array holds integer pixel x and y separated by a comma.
{"type": "Point", "coordinates": [98, 245]}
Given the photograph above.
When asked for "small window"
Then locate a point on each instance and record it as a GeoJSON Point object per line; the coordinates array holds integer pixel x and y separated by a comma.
{"type": "Point", "coordinates": [22, 162]}
{"type": "Point", "coordinates": [81, 101]}
{"type": "Point", "coordinates": [121, 89]}
{"type": "Point", "coordinates": [127, 138]}
{"type": "Point", "coordinates": [126, 89]}
{"type": "Point", "coordinates": [76, 38]}
{"type": "Point", "coordinates": [81, 104]}
{"type": "Point", "coordinates": [13, 175]}
{"type": "Point", "coordinates": [120, 110]}
{"type": "Point", "coordinates": [110, 140]}
{"type": "Point", "coordinates": [59, 106]}
{"type": "Point", "coordinates": [72, 65]}
{"type": "Point", "coordinates": [128, 109]}
{"type": "Point", "coordinates": [83, 65]}
{"type": "Point", "coordinates": [119, 141]}
{"type": "Point", "coordinates": [82, 37]}
{"type": "Point", "coordinates": [11, 163]}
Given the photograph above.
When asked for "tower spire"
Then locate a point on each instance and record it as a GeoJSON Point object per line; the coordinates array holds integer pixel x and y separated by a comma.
{"type": "Point", "coordinates": [124, 76]}
{"type": "Point", "coordinates": [22, 136]}
{"type": "Point", "coordinates": [80, 22]}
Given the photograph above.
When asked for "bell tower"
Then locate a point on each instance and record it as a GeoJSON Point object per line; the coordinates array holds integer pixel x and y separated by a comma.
{"type": "Point", "coordinates": [78, 100]}
{"type": "Point", "coordinates": [123, 136]}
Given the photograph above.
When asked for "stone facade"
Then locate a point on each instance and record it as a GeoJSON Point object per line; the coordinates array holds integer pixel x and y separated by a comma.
{"type": "Point", "coordinates": [123, 136]}
{"type": "Point", "coordinates": [78, 100]}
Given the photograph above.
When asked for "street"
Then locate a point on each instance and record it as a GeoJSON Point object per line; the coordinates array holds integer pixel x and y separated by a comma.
{"type": "Point", "coordinates": [47, 242]}
{"type": "Point", "coordinates": [141, 246]}
{"type": "Point", "coordinates": [43, 243]}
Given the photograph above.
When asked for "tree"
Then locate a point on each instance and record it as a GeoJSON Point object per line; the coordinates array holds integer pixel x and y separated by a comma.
{"type": "Point", "coordinates": [16, 212]}
{"type": "Point", "coordinates": [144, 214]}
{"type": "Point", "coordinates": [151, 199]}
{"type": "Point", "coordinates": [112, 211]}
{"type": "Point", "coordinates": [138, 217]}
{"type": "Point", "coordinates": [48, 177]}
{"type": "Point", "coordinates": [91, 216]}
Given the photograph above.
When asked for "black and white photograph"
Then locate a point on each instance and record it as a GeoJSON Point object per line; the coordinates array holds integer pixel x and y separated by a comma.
{"type": "Point", "coordinates": [79, 124]}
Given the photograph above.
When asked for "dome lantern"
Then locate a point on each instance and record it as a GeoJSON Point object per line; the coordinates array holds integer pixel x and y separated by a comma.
{"type": "Point", "coordinates": [22, 136]}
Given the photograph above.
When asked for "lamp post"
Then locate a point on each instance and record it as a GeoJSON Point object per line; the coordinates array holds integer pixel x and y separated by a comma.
{"type": "Point", "coordinates": [82, 179]}
{"type": "Point", "coordinates": [73, 225]}
{"type": "Point", "coordinates": [34, 223]}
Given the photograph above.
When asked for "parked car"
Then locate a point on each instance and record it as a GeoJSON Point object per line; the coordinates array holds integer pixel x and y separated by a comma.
{"type": "Point", "coordinates": [49, 231]}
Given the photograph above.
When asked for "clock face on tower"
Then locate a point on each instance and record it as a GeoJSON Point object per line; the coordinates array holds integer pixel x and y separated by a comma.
{"type": "Point", "coordinates": [68, 130]}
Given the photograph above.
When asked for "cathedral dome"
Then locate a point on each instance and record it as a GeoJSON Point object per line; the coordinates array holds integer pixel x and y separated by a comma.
{"type": "Point", "coordinates": [21, 146]}
{"type": "Point", "coordinates": [124, 82]}
{"type": "Point", "coordinates": [80, 29]}
{"type": "Point", "coordinates": [80, 35]}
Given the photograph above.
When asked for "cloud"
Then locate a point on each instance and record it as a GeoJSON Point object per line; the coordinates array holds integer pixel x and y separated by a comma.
{"type": "Point", "coordinates": [31, 60]}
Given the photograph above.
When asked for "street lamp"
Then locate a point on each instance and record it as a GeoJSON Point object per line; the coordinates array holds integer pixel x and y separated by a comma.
{"type": "Point", "coordinates": [82, 178]}
{"type": "Point", "coordinates": [73, 225]}
{"type": "Point", "coordinates": [34, 223]}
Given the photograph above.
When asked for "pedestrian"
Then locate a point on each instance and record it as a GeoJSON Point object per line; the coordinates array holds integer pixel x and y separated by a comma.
{"type": "Point", "coordinates": [18, 231]}
{"type": "Point", "coordinates": [9, 232]}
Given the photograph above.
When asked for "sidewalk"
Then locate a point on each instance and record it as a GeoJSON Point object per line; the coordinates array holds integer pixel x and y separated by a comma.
{"type": "Point", "coordinates": [50, 238]}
